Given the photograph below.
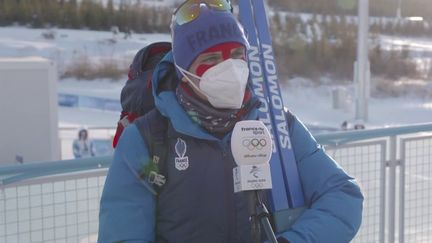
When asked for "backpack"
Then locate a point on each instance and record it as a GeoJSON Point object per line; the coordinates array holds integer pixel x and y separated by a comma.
{"type": "Point", "coordinates": [138, 107]}
{"type": "Point", "coordinates": [136, 96]}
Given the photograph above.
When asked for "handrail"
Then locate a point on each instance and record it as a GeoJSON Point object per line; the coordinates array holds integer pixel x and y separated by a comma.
{"type": "Point", "coordinates": [14, 173]}
{"type": "Point", "coordinates": [336, 138]}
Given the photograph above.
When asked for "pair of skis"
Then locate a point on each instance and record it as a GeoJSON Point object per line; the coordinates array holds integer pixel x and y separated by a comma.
{"type": "Point", "coordinates": [287, 200]}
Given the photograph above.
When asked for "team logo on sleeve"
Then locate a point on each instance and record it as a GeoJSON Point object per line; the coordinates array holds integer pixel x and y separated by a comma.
{"type": "Point", "coordinates": [181, 161]}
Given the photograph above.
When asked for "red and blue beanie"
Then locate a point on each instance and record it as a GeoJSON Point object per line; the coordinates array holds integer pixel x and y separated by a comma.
{"type": "Point", "coordinates": [210, 28]}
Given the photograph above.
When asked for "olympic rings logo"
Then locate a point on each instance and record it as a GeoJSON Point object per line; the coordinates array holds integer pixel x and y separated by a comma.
{"type": "Point", "coordinates": [254, 143]}
{"type": "Point", "coordinates": [257, 185]}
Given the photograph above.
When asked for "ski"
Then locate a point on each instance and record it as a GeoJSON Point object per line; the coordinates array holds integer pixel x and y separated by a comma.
{"type": "Point", "coordinates": [265, 84]}
{"type": "Point", "coordinates": [296, 198]}
{"type": "Point", "coordinates": [279, 197]}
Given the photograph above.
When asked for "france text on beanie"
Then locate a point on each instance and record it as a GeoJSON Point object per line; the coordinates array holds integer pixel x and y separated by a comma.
{"type": "Point", "coordinates": [212, 27]}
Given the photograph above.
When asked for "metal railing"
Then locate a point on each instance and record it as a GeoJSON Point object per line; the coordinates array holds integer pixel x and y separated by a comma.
{"type": "Point", "coordinates": [59, 201]}
{"type": "Point", "coordinates": [415, 210]}
{"type": "Point", "coordinates": [51, 201]}
{"type": "Point", "coordinates": [379, 159]}
{"type": "Point", "coordinates": [365, 162]}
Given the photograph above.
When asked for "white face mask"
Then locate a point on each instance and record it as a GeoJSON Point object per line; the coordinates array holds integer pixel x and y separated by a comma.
{"type": "Point", "coordinates": [224, 84]}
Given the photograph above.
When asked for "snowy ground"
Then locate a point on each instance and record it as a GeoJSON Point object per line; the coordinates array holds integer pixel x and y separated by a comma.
{"type": "Point", "coordinates": [312, 103]}
{"type": "Point", "coordinates": [71, 45]}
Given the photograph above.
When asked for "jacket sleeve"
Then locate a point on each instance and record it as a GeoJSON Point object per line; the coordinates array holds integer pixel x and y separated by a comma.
{"type": "Point", "coordinates": [127, 207]}
{"type": "Point", "coordinates": [333, 199]}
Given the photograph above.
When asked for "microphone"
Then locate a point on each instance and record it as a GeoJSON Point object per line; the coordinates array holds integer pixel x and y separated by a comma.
{"type": "Point", "coordinates": [251, 146]}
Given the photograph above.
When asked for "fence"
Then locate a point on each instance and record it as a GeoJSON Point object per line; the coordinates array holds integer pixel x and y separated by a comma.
{"type": "Point", "coordinates": [51, 202]}
{"type": "Point", "coordinates": [365, 162]}
{"type": "Point", "coordinates": [59, 201]}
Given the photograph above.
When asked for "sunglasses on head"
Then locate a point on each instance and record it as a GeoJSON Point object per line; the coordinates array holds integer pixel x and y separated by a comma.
{"type": "Point", "coordinates": [190, 9]}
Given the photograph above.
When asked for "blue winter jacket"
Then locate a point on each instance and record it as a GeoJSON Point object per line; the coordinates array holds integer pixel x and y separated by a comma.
{"type": "Point", "coordinates": [128, 204]}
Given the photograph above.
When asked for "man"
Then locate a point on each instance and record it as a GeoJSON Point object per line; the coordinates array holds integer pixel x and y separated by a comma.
{"type": "Point", "coordinates": [201, 88]}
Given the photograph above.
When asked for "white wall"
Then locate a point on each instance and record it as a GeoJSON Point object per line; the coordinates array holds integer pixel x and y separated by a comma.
{"type": "Point", "coordinates": [28, 110]}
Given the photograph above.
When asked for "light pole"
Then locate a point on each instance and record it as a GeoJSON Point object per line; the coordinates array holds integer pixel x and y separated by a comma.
{"type": "Point", "coordinates": [361, 66]}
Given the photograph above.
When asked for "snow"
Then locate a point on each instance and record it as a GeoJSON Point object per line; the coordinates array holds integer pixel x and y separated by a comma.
{"type": "Point", "coordinates": [103, 88]}
{"type": "Point", "coordinates": [314, 106]}
{"type": "Point", "coordinates": [77, 117]}
{"type": "Point", "coordinates": [71, 45]}
{"type": "Point", "coordinates": [418, 45]}
{"type": "Point", "coordinates": [312, 103]}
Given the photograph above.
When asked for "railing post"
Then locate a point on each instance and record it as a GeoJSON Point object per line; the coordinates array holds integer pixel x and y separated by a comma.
{"type": "Point", "coordinates": [383, 193]}
{"type": "Point", "coordinates": [392, 189]}
{"type": "Point", "coordinates": [402, 193]}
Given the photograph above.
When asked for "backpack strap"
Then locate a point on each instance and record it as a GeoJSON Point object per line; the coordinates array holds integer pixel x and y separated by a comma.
{"type": "Point", "coordinates": [152, 127]}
